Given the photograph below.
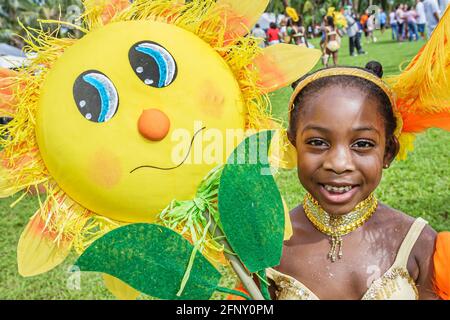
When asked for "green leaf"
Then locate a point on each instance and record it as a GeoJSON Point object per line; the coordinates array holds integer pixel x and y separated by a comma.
{"type": "Point", "coordinates": [152, 259]}
{"type": "Point", "coordinates": [250, 206]}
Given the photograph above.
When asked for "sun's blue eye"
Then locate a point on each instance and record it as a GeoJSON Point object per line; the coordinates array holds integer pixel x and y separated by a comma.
{"type": "Point", "coordinates": [95, 96]}
{"type": "Point", "coordinates": [153, 64]}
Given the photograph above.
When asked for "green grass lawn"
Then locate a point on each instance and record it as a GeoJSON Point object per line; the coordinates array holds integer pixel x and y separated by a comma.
{"type": "Point", "coordinates": [419, 186]}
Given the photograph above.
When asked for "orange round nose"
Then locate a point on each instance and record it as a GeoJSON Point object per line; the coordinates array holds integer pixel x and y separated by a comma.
{"type": "Point", "coordinates": [153, 124]}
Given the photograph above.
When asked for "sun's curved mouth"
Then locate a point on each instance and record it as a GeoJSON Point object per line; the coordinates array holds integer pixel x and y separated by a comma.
{"type": "Point", "coordinates": [178, 165]}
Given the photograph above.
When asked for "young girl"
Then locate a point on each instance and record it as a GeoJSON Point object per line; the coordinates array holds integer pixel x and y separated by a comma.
{"type": "Point", "coordinates": [332, 42]}
{"type": "Point", "coordinates": [370, 23]}
{"type": "Point", "coordinates": [296, 32]}
{"type": "Point", "coordinates": [345, 243]}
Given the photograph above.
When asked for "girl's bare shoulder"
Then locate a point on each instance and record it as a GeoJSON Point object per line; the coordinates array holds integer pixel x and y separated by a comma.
{"type": "Point", "coordinates": [389, 219]}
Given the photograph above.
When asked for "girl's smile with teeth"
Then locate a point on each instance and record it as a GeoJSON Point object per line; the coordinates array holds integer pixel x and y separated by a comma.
{"type": "Point", "coordinates": [337, 195]}
{"type": "Point", "coordinates": [333, 189]}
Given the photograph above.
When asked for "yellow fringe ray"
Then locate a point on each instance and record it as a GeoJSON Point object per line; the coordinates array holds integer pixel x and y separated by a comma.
{"type": "Point", "coordinates": [7, 86]}
{"type": "Point", "coordinates": [37, 252]}
{"type": "Point", "coordinates": [282, 154]}
{"type": "Point", "coordinates": [240, 16]}
{"type": "Point", "coordinates": [287, 221]}
{"type": "Point", "coordinates": [58, 225]}
{"type": "Point", "coordinates": [279, 65]}
{"type": "Point", "coordinates": [119, 288]}
{"type": "Point", "coordinates": [406, 145]}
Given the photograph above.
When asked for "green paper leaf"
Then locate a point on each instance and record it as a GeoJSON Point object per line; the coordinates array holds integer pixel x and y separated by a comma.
{"type": "Point", "coordinates": [152, 259]}
{"type": "Point", "coordinates": [250, 206]}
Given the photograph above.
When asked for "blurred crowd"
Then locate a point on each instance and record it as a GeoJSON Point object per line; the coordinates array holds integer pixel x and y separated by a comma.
{"type": "Point", "coordinates": [406, 21]}
{"type": "Point", "coordinates": [416, 21]}
{"type": "Point", "coordinates": [287, 31]}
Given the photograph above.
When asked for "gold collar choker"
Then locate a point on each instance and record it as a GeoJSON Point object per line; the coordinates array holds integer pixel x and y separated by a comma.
{"type": "Point", "coordinates": [337, 226]}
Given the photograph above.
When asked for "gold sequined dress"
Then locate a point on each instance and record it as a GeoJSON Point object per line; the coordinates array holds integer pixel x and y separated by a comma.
{"type": "Point", "coordinates": [394, 284]}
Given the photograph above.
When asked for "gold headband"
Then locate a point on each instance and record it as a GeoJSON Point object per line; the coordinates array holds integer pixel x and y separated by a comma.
{"type": "Point", "coordinates": [355, 72]}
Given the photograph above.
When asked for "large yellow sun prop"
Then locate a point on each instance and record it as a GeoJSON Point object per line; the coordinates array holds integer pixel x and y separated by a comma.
{"type": "Point", "coordinates": [110, 118]}
{"type": "Point", "coordinates": [111, 124]}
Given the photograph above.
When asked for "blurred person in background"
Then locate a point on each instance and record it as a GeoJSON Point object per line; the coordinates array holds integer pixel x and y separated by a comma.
{"type": "Point", "coordinates": [352, 30]}
{"type": "Point", "coordinates": [443, 5]}
{"type": "Point", "coordinates": [332, 42]}
{"type": "Point", "coordinates": [359, 35]}
{"type": "Point", "coordinates": [258, 32]}
{"type": "Point", "coordinates": [310, 32]}
{"type": "Point", "coordinates": [411, 16]}
{"type": "Point", "coordinates": [296, 33]}
{"type": "Point", "coordinates": [405, 22]}
{"type": "Point", "coordinates": [399, 16]}
{"type": "Point", "coordinates": [363, 21]}
{"type": "Point", "coordinates": [432, 15]}
{"type": "Point", "coordinates": [383, 20]}
{"type": "Point", "coordinates": [394, 25]}
{"type": "Point", "coordinates": [290, 31]}
{"type": "Point", "coordinates": [370, 26]}
{"type": "Point", "coordinates": [323, 34]}
{"type": "Point", "coordinates": [316, 30]}
{"type": "Point", "coordinates": [421, 19]}
{"type": "Point", "coordinates": [273, 34]}
{"type": "Point", "coordinates": [283, 30]}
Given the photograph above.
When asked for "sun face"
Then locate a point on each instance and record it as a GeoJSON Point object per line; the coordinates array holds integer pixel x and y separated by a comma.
{"type": "Point", "coordinates": [93, 100]}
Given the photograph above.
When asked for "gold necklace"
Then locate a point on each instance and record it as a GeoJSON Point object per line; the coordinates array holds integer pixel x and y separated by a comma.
{"type": "Point", "coordinates": [337, 226]}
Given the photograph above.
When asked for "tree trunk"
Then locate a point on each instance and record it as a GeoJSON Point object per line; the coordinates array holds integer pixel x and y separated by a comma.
{"type": "Point", "coordinates": [355, 5]}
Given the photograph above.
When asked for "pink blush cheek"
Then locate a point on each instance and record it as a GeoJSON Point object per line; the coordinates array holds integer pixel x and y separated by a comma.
{"type": "Point", "coordinates": [211, 100]}
{"type": "Point", "coordinates": [105, 169]}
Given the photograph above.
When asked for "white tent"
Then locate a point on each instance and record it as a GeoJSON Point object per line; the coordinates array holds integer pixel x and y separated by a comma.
{"type": "Point", "coordinates": [266, 18]}
{"type": "Point", "coordinates": [11, 57]}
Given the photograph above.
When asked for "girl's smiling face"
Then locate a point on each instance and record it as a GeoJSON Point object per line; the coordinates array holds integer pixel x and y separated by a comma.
{"type": "Point", "coordinates": [341, 143]}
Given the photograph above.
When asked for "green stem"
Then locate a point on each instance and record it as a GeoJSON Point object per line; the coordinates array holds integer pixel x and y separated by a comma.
{"type": "Point", "coordinates": [263, 284]}
{"type": "Point", "coordinates": [236, 264]}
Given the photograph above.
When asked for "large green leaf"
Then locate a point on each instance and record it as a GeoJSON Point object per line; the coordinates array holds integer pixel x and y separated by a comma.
{"type": "Point", "coordinates": [250, 206]}
{"type": "Point", "coordinates": [151, 259]}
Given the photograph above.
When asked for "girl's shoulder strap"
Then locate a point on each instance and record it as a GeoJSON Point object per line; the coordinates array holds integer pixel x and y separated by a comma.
{"type": "Point", "coordinates": [408, 243]}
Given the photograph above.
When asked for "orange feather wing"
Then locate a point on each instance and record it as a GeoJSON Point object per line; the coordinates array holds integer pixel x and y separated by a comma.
{"type": "Point", "coordinates": [442, 265]}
